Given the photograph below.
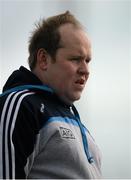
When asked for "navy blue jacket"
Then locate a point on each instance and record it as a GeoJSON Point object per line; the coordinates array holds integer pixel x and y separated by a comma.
{"type": "Point", "coordinates": [41, 136]}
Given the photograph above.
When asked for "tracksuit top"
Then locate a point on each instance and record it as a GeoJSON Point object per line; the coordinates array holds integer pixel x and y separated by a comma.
{"type": "Point", "coordinates": [41, 137]}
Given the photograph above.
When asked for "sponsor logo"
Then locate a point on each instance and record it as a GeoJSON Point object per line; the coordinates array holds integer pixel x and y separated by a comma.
{"type": "Point", "coordinates": [66, 133]}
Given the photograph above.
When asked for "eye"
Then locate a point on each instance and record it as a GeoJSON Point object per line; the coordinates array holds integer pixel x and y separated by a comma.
{"type": "Point", "coordinates": [75, 59]}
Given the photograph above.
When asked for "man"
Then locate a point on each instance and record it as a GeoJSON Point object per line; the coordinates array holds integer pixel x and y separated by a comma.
{"type": "Point", "coordinates": [41, 135]}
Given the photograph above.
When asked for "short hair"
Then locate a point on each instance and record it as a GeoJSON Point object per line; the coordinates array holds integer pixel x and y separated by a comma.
{"type": "Point", "coordinates": [47, 36]}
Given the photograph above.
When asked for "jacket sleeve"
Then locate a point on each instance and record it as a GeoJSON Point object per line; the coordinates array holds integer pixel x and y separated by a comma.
{"type": "Point", "coordinates": [18, 130]}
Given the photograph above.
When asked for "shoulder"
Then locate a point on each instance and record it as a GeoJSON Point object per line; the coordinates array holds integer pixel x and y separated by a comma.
{"type": "Point", "coordinates": [21, 105]}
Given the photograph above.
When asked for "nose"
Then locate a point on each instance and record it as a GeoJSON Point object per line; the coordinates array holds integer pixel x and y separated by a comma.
{"type": "Point", "coordinates": [84, 69]}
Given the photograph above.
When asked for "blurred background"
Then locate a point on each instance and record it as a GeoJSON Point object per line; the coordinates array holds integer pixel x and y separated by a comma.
{"type": "Point", "coordinates": [105, 106]}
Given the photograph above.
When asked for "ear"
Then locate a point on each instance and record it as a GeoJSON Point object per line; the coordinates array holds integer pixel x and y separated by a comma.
{"type": "Point", "coordinates": [42, 59]}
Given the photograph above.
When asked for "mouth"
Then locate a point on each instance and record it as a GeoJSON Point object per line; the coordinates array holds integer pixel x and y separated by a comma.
{"type": "Point", "coordinates": [80, 82]}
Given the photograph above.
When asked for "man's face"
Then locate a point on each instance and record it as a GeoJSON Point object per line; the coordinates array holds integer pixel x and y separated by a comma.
{"type": "Point", "coordinates": [69, 73]}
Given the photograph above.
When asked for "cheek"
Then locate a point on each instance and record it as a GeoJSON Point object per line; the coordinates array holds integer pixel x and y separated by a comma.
{"type": "Point", "coordinates": [67, 75]}
{"type": "Point", "coordinates": [63, 73]}
{"type": "Point", "coordinates": [69, 69]}
{"type": "Point", "coordinates": [64, 79]}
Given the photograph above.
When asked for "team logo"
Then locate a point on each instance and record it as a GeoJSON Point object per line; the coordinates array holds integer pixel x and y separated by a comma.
{"type": "Point", "coordinates": [66, 133]}
{"type": "Point", "coordinates": [42, 108]}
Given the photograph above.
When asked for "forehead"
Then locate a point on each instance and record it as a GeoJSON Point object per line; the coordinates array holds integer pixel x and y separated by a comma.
{"type": "Point", "coordinates": [74, 38]}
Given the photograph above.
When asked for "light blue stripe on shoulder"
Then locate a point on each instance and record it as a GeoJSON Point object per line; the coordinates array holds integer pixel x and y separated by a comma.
{"type": "Point", "coordinates": [62, 119]}
{"type": "Point", "coordinates": [20, 88]}
{"type": "Point", "coordinates": [65, 120]}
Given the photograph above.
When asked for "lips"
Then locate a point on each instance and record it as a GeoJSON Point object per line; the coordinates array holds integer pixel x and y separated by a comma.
{"type": "Point", "coordinates": [80, 81]}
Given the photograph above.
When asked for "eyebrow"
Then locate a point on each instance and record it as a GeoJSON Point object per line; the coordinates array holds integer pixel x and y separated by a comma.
{"type": "Point", "coordinates": [81, 57]}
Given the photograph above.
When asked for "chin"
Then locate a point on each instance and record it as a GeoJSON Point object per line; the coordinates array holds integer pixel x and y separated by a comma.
{"type": "Point", "coordinates": [76, 98]}
{"type": "Point", "coordinates": [72, 98]}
